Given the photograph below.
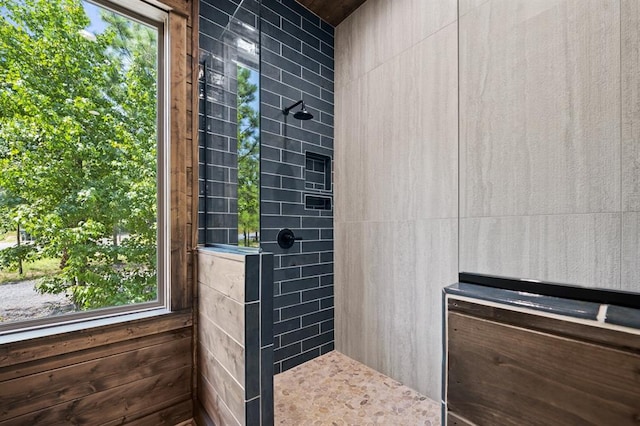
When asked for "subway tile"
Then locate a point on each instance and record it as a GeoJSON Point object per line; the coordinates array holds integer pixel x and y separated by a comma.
{"type": "Point", "coordinates": [286, 273]}
{"type": "Point", "coordinates": [282, 11]}
{"type": "Point", "coordinates": [287, 351]}
{"type": "Point", "coordinates": [271, 194]}
{"type": "Point", "coordinates": [300, 334]}
{"type": "Point", "coordinates": [327, 348]}
{"type": "Point", "coordinates": [286, 39]}
{"type": "Point", "coordinates": [321, 269]}
{"type": "Point", "coordinates": [300, 34]}
{"type": "Point", "coordinates": [297, 57]}
{"type": "Point", "coordinates": [252, 412]}
{"type": "Point", "coordinates": [301, 10]}
{"type": "Point", "coordinates": [299, 259]}
{"type": "Point", "coordinates": [317, 317]}
{"type": "Point", "coordinates": [292, 183]}
{"type": "Point", "coordinates": [317, 341]}
{"type": "Point", "coordinates": [269, 99]}
{"type": "Point", "coordinates": [307, 356]}
{"type": "Point", "coordinates": [309, 246]}
{"type": "Point", "coordinates": [286, 300]}
{"type": "Point", "coordinates": [326, 326]}
{"type": "Point", "coordinates": [317, 55]}
{"type": "Point", "coordinates": [227, 6]}
{"type": "Point", "coordinates": [327, 302]}
{"type": "Point", "coordinates": [266, 300]}
{"type": "Point", "coordinates": [290, 72]}
{"type": "Point", "coordinates": [271, 17]}
{"type": "Point", "coordinates": [299, 310]}
{"type": "Point", "coordinates": [318, 293]}
{"type": "Point", "coordinates": [299, 284]}
{"type": "Point", "coordinates": [271, 181]}
{"type": "Point", "coordinates": [280, 221]}
{"type": "Point", "coordinates": [286, 326]}
{"type": "Point", "coordinates": [326, 257]}
{"type": "Point", "coordinates": [279, 63]}
{"type": "Point", "coordinates": [252, 278]}
{"type": "Point", "coordinates": [317, 222]}
{"type": "Point", "coordinates": [284, 170]}
{"type": "Point", "coordinates": [266, 386]}
{"type": "Point", "coordinates": [252, 350]}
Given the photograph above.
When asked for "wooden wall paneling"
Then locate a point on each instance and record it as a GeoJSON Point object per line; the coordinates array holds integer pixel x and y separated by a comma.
{"type": "Point", "coordinates": [180, 288]}
{"type": "Point", "coordinates": [171, 416]}
{"type": "Point", "coordinates": [454, 420]}
{"type": "Point", "coordinates": [500, 374]}
{"type": "Point", "coordinates": [182, 7]}
{"type": "Point", "coordinates": [33, 367]}
{"type": "Point", "coordinates": [114, 403]}
{"type": "Point", "coordinates": [602, 336]}
{"type": "Point", "coordinates": [45, 347]}
{"type": "Point", "coordinates": [23, 395]}
{"type": "Point", "coordinates": [333, 12]}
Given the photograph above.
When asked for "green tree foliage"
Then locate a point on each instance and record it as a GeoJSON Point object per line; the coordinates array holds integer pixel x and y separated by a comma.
{"type": "Point", "coordinates": [78, 148]}
{"type": "Point", "coordinates": [248, 157]}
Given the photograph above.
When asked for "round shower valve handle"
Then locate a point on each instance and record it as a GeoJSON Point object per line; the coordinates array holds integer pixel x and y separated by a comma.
{"type": "Point", "coordinates": [286, 238]}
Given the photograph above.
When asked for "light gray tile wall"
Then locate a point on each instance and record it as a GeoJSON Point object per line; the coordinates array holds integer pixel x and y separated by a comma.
{"type": "Point", "coordinates": [630, 60]}
{"type": "Point", "coordinates": [396, 185]}
{"type": "Point", "coordinates": [548, 163]}
{"type": "Point", "coordinates": [549, 154]}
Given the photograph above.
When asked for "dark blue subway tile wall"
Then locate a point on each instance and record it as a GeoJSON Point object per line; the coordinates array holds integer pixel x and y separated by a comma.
{"type": "Point", "coordinates": [297, 63]}
{"type": "Point", "coordinates": [220, 24]}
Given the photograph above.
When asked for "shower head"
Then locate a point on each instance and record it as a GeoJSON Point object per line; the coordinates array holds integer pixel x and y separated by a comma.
{"type": "Point", "coordinates": [303, 114]}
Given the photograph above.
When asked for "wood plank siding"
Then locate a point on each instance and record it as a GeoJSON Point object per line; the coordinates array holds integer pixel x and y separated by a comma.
{"type": "Point", "coordinates": [135, 372]}
{"type": "Point", "coordinates": [334, 11]}
{"type": "Point", "coordinates": [501, 374]}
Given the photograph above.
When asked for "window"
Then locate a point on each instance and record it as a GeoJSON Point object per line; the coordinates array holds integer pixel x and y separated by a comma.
{"type": "Point", "coordinates": [83, 154]}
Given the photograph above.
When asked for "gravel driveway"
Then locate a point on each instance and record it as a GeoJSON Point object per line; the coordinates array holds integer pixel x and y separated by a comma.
{"type": "Point", "coordinates": [20, 301]}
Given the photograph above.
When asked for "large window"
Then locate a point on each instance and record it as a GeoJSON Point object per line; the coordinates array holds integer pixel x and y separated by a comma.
{"type": "Point", "coordinates": [82, 159]}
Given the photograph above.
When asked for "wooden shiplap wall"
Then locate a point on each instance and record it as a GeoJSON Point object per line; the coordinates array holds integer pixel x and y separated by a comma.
{"type": "Point", "coordinates": [133, 372]}
{"type": "Point", "coordinates": [111, 375]}
{"type": "Point", "coordinates": [506, 367]}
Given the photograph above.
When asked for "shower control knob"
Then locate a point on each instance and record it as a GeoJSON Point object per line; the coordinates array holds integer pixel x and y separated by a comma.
{"type": "Point", "coordinates": [286, 238]}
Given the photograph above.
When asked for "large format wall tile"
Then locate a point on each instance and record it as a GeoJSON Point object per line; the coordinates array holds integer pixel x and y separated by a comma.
{"type": "Point", "coordinates": [396, 184]}
{"type": "Point", "coordinates": [540, 107]}
{"type": "Point", "coordinates": [400, 118]}
{"type": "Point", "coordinates": [631, 252]}
{"type": "Point", "coordinates": [579, 249]}
{"type": "Point", "coordinates": [382, 29]}
{"type": "Point", "coordinates": [466, 6]}
{"type": "Point", "coordinates": [630, 105]}
{"type": "Point", "coordinates": [390, 296]}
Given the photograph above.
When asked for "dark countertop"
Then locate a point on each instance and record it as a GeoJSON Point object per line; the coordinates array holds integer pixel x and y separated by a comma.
{"type": "Point", "coordinates": [617, 315]}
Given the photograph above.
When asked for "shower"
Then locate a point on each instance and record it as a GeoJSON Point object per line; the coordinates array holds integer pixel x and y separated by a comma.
{"type": "Point", "coordinates": [303, 114]}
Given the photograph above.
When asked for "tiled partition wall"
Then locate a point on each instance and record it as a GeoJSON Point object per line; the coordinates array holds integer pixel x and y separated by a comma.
{"type": "Point", "coordinates": [235, 338]}
{"type": "Point", "coordinates": [229, 37]}
{"type": "Point", "coordinates": [396, 185]}
{"type": "Point", "coordinates": [549, 152]}
{"type": "Point", "coordinates": [297, 63]}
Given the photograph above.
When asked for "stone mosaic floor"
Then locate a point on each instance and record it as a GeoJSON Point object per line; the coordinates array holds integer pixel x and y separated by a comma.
{"type": "Point", "coordinates": [336, 390]}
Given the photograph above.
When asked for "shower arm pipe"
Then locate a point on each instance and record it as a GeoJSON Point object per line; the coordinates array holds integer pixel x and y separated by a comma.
{"type": "Point", "coordinates": [286, 110]}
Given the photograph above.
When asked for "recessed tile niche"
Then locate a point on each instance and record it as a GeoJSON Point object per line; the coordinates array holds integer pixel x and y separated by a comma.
{"type": "Point", "coordinates": [317, 179]}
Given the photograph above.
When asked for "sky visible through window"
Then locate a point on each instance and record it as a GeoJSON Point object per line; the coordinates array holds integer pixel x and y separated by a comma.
{"type": "Point", "coordinates": [97, 25]}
